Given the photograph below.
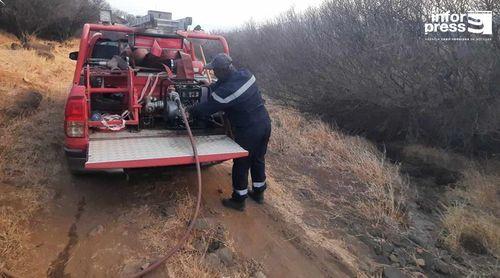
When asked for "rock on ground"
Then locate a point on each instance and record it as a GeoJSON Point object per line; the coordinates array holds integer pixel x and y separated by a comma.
{"type": "Point", "coordinates": [420, 262]}
{"type": "Point", "coordinates": [418, 275]}
{"type": "Point", "coordinates": [226, 256]}
{"type": "Point", "coordinates": [212, 261]}
{"type": "Point", "coordinates": [99, 229]}
{"type": "Point", "coordinates": [442, 267]}
{"type": "Point", "coordinates": [391, 272]}
{"type": "Point", "coordinates": [394, 258]}
{"type": "Point", "coordinates": [15, 46]}
{"type": "Point", "coordinates": [204, 224]}
{"type": "Point", "coordinates": [200, 244]}
{"type": "Point", "coordinates": [130, 268]}
{"type": "Point", "coordinates": [258, 274]}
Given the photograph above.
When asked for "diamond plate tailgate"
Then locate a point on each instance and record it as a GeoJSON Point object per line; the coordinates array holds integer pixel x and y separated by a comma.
{"type": "Point", "coordinates": [135, 152]}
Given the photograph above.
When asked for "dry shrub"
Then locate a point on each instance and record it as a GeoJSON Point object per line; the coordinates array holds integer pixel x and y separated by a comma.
{"type": "Point", "coordinates": [476, 214]}
{"type": "Point", "coordinates": [6, 39]}
{"type": "Point", "coordinates": [353, 66]}
{"type": "Point", "coordinates": [462, 222]}
{"type": "Point", "coordinates": [367, 65]}
{"type": "Point", "coordinates": [50, 19]}
{"type": "Point", "coordinates": [159, 235]}
{"type": "Point", "coordinates": [482, 191]}
{"type": "Point", "coordinates": [435, 156]}
{"type": "Point", "coordinates": [24, 138]}
{"type": "Point", "coordinates": [384, 189]}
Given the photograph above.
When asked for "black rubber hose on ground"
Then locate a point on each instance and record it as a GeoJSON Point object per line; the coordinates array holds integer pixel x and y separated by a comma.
{"type": "Point", "coordinates": [187, 233]}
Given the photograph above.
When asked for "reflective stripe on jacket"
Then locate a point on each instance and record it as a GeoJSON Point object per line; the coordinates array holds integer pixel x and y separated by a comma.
{"type": "Point", "coordinates": [239, 97]}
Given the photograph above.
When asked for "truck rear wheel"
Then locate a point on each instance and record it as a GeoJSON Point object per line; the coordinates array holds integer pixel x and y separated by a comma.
{"type": "Point", "coordinates": [75, 160]}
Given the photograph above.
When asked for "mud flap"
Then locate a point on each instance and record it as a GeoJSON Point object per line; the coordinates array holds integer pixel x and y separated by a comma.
{"type": "Point", "coordinates": [112, 153]}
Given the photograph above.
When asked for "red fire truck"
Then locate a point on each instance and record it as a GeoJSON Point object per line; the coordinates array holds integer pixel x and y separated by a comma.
{"type": "Point", "coordinates": [119, 112]}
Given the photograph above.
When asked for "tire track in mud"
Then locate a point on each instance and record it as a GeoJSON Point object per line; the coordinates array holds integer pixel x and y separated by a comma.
{"type": "Point", "coordinates": [58, 266]}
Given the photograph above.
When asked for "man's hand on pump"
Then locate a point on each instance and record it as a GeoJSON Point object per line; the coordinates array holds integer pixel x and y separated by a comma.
{"type": "Point", "coordinates": [205, 82]}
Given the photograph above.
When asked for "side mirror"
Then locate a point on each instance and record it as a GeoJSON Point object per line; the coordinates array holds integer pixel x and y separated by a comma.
{"type": "Point", "coordinates": [73, 55]}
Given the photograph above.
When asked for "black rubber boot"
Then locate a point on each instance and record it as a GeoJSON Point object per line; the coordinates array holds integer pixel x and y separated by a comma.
{"type": "Point", "coordinates": [257, 196]}
{"type": "Point", "coordinates": [235, 203]}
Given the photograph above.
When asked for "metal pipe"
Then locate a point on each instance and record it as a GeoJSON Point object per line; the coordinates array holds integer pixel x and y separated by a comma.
{"type": "Point", "coordinates": [117, 28]}
{"type": "Point", "coordinates": [209, 76]}
{"type": "Point", "coordinates": [84, 45]}
{"type": "Point", "coordinates": [205, 36]}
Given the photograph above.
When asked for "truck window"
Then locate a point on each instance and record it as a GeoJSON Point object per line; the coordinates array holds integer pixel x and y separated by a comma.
{"type": "Point", "coordinates": [106, 49]}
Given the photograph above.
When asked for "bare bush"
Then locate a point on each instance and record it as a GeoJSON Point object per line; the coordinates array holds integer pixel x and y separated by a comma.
{"type": "Point", "coordinates": [367, 66]}
{"type": "Point", "coordinates": [51, 19]}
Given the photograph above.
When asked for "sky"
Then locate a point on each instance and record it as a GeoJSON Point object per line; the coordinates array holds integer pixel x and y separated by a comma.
{"type": "Point", "coordinates": [215, 14]}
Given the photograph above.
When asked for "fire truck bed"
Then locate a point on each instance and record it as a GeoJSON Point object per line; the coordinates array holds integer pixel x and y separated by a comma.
{"type": "Point", "coordinates": [126, 150]}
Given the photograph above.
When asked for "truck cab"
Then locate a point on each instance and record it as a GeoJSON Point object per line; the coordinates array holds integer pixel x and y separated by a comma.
{"type": "Point", "coordinates": [119, 113]}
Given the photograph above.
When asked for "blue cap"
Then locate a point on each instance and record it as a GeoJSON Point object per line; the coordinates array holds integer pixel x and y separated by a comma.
{"type": "Point", "coordinates": [220, 61]}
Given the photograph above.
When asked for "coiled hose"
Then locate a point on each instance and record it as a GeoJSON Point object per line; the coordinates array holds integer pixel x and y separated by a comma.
{"type": "Point", "coordinates": [185, 236]}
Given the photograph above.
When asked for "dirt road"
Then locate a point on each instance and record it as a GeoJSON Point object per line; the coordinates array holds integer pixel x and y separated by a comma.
{"type": "Point", "coordinates": [89, 228]}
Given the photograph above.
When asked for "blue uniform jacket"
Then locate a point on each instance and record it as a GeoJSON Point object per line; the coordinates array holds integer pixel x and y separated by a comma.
{"type": "Point", "coordinates": [239, 97]}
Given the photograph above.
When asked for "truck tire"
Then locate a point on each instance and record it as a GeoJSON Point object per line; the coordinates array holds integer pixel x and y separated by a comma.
{"type": "Point", "coordinates": [75, 159]}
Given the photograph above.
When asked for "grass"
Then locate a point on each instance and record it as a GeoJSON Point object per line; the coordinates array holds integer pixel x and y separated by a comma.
{"type": "Point", "coordinates": [471, 218]}
{"type": "Point", "coordinates": [384, 189]}
{"type": "Point", "coordinates": [360, 187]}
{"type": "Point", "coordinates": [472, 207]}
{"type": "Point", "coordinates": [474, 213]}
{"type": "Point", "coordinates": [25, 167]}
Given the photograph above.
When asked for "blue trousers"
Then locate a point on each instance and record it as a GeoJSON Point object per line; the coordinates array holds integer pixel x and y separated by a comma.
{"type": "Point", "coordinates": [254, 139]}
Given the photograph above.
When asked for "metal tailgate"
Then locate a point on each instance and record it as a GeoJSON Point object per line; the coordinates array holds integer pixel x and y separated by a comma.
{"type": "Point", "coordinates": [130, 152]}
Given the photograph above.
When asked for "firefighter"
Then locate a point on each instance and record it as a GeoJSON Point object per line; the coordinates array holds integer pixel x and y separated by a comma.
{"type": "Point", "coordinates": [236, 93]}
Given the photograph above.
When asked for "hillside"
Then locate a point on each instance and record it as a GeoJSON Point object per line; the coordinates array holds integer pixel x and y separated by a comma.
{"type": "Point", "coordinates": [337, 206]}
